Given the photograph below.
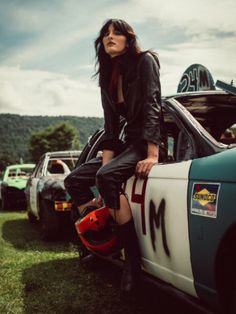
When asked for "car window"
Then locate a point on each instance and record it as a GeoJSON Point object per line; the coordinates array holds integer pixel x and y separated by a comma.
{"type": "Point", "coordinates": [228, 136]}
{"type": "Point", "coordinates": [70, 162]}
{"type": "Point", "coordinates": [215, 112]}
{"type": "Point", "coordinates": [57, 166]}
{"type": "Point", "coordinates": [12, 173]}
{"type": "Point", "coordinates": [179, 144]}
{"type": "Point", "coordinates": [24, 172]}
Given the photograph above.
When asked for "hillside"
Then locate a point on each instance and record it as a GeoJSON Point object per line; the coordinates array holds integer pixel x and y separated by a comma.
{"type": "Point", "coordinates": [15, 131]}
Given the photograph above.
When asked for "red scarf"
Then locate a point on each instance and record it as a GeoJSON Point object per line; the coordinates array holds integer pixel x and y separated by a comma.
{"type": "Point", "coordinates": [115, 73]}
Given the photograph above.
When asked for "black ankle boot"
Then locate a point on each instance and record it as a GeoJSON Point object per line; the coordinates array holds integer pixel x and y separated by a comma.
{"type": "Point", "coordinates": [132, 266]}
{"type": "Point", "coordinates": [85, 256]}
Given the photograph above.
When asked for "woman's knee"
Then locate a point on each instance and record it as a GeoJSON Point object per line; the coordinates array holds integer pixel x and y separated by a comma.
{"type": "Point", "coordinates": [72, 179]}
{"type": "Point", "coordinates": [103, 176]}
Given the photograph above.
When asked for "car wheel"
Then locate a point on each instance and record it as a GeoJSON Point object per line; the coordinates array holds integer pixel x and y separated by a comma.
{"type": "Point", "coordinates": [21, 204]}
{"type": "Point", "coordinates": [49, 221]}
{"type": "Point", "coordinates": [232, 293]}
{"type": "Point", "coordinates": [32, 219]}
{"type": "Point", "coordinates": [232, 309]}
{"type": "Point", "coordinates": [5, 203]}
{"type": "Point", "coordinates": [226, 278]}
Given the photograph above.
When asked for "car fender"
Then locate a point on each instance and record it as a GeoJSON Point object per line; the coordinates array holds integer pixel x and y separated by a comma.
{"type": "Point", "coordinates": [211, 203]}
{"type": "Point", "coordinates": [52, 189]}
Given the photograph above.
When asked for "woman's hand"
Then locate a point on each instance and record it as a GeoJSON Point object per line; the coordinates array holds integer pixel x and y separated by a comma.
{"type": "Point", "coordinates": [98, 202]}
{"type": "Point", "coordinates": [143, 167]}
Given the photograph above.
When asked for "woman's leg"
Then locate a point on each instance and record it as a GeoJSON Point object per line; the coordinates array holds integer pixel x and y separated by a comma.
{"type": "Point", "coordinates": [111, 176]}
{"type": "Point", "coordinates": [128, 237]}
{"type": "Point", "coordinates": [109, 181]}
{"type": "Point", "coordinates": [79, 182]}
{"type": "Point", "coordinates": [124, 214]}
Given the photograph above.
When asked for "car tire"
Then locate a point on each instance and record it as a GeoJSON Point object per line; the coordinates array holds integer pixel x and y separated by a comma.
{"type": "Point", "coordinates": [232, 309]}
{"type": "Point", "coordinates": [32, 219]}
{"type": "Point", "coordinates": [21, 204]}
{"type": "Point", "coordinates": [5, 203]}
{"type": "Point", "coordinates": [49, 221]}
{"type": "Point", "coordinates": [226, 278]}
{"type": "Point", "coordinates": [232, 294]}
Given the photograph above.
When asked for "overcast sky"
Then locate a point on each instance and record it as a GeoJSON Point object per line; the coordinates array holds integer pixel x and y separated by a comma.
{"type": "Point", "coordinates": [47, 51]}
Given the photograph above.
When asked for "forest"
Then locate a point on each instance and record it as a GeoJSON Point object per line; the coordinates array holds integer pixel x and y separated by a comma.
{"type": "Point", "coordinates": [16, 131]}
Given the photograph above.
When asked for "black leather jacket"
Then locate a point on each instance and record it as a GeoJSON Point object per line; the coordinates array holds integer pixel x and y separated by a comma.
{"type": "Point", "coordinates": [142, 97]}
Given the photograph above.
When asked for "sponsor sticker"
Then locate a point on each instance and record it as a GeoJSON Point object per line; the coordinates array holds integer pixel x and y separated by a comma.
{"type": "Point", "coordinates": [204, 199]}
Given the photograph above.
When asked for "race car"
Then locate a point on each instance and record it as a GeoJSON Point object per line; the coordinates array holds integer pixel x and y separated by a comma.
{"type": "Point", "coordinates": [12, 196]}
{"type": "Point", "coordinates": [47, 200]}
{"type": "Point", "coordinates": [185, 211]}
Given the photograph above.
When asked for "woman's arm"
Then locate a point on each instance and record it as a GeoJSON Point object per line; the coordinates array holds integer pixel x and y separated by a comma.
{"type": "Point", "coordinates": [143, 167]}
{"type": "Point", "coordinates": [151, 90]}
{"type": "Point", "coordinates": [151, 98]}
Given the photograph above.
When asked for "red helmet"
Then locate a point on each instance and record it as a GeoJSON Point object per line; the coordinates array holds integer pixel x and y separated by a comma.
{"type": "Point", "coordinates": [97, 232]}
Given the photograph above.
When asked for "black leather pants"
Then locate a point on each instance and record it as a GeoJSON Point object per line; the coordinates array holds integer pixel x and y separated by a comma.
{"type": "Point", "coordinates": [107, 178]}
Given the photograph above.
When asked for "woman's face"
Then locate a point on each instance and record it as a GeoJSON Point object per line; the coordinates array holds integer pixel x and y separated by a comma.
{"type": "Point", "coordinates": [114, 42]}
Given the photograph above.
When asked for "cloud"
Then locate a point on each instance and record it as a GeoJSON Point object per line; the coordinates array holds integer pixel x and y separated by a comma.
{"type": "Point", "coordinates": [178, 57]}
{"type": "Point", "coordinates": [193, 16]}
{"type": "Point", "coordinates": [47, 53]}
{"type": "Point", "coordinates": [44, 93]}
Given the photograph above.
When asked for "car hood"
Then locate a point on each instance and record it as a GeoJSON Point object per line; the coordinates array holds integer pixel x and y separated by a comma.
{"type": "Point", "coordinates": [17, 183]}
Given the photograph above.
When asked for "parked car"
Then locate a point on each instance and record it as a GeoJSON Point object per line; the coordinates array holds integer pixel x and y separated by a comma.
{"type": "Point", "coordinates": [47, 200]}
{"type": "Point", "coordinates": [12, 196]}
{"type": "Point", "coordinates": [185, 211]}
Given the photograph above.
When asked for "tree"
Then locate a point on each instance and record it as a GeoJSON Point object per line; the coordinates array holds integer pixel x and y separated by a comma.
{"type": "Point", "coordinates": [60, 137]}
{"type": "Point", "coordinates": [5, 161]}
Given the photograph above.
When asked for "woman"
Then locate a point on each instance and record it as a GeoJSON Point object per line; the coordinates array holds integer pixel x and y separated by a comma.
{"type": "Point", "coordinates": [130, 87]}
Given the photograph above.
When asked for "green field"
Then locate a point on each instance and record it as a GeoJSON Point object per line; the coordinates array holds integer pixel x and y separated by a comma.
{"type": "Point", "coordinates": [42, 277]}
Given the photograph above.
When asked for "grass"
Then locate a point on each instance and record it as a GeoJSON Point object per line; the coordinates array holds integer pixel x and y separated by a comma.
{"type": "Point", "coordinates": [42, 277]}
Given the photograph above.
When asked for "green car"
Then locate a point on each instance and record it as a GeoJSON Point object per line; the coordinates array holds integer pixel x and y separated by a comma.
{"type": "Point", "coordinates": [15, 177]}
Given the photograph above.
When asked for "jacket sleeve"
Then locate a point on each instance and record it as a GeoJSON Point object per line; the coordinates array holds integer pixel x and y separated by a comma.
{"type": "Point", "coordinates": [151, 91]}
{"type": "Point", "coordinates": [111, 125]}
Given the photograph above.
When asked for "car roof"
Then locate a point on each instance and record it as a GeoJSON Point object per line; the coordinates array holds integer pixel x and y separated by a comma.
{"type": "Point", "coordinates": [16, 166]}
{"type": "Point", "coordinates": [199, 93]}
{"type": "Point", "coordinates": [61, 154]}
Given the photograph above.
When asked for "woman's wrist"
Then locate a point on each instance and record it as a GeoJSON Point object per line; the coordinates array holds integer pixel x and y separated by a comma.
{"type": "Point", "coordinates": [153, 150]}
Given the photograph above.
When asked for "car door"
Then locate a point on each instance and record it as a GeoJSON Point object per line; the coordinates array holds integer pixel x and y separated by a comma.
{"type": "Point", "coordinates": [159, 207]}
{"type": "Point", "coordinates": [33, 186]}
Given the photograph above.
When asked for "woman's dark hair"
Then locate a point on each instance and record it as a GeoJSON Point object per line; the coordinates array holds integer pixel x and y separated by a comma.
{"type": "Point", "coordinates": [103, 60]}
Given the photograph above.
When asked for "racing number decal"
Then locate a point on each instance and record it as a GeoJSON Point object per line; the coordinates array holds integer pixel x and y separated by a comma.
{"type": "Point", "coordinates": [158, 218]}
{"type": "Point", "coordinates": [196, 78]}
{"type": "Point", "coordinates": [140, 199]}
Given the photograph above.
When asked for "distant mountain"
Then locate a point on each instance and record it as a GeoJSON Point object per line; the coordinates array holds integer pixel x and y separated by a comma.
{"type": "Point", "coordinates": [15, 131]}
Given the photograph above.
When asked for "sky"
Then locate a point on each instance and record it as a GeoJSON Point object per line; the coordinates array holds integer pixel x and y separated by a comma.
{"type": "Point", "coordinates": [47, 52]}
